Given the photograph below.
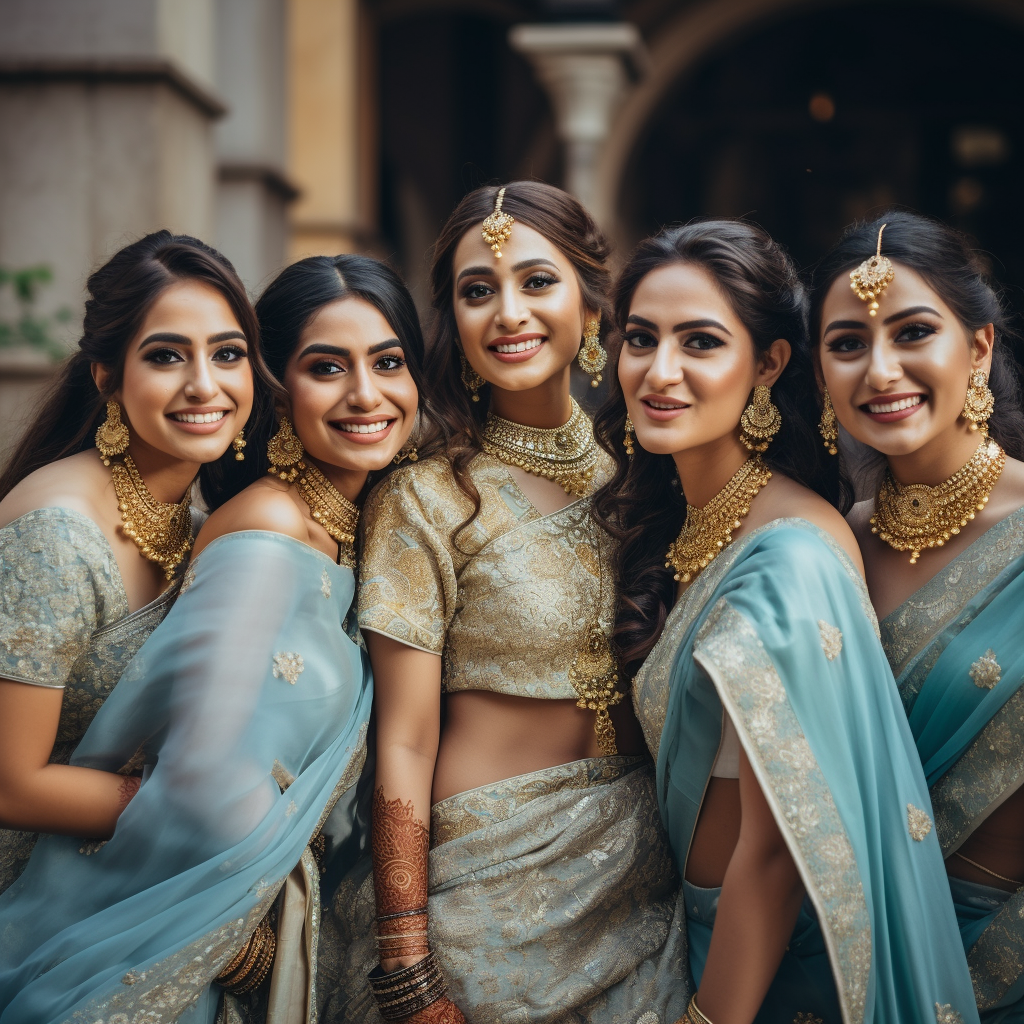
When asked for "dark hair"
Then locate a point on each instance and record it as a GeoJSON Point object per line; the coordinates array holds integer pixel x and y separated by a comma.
{"type": "Point", "coordinates": [640, 506]}
{"type": "Point", "coordinates": [300, 291]}
{"type": "Point", "coordinates": [564, 222]}
{"type": "Point", "coordinates": [121, 293]}
{"type": "Point", "coordinates": [945, 259]}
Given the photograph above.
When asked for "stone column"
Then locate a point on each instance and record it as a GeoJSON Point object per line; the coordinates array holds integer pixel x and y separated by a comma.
{"type": "Point", "coordinates": [587, 69]}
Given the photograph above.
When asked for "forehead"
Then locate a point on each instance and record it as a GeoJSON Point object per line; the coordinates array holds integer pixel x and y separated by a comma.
{"type": "Point", "coordinates": [908, 288]}
{"type": "Point", "coordinates": [351, 319]}
{"type": "Point", "coordinates": [525, 243]}
{"type": "Point", "coordinates": [184, 301]}
{"type": "Point", "coordinates": [678, 288]}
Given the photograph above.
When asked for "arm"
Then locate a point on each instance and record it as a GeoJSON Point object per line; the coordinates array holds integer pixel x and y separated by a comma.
{"type": "Point", "coordinates": [757, 911]}
{"type": "Point", "coordinates": [407, 699]}
{"type": "Point", "coordinates": [36, 796]}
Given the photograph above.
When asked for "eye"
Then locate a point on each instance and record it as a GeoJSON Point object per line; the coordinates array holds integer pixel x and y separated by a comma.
{"type": "Point", "coordinates": [389, 362]}
{"type": "Point", "coordinates": [478, 290]}
{"type": "Point", "coordinates": [641, 339]}
{"type": "Point", "coordinates": [848, 343]}
{"type": "Point", "coordinates": [915, 332]}
{"type": "Point", "coordinates": [535, 282]}
{"type": "Point", "coordinates": [164, 356]}
{"type": "Point", "coordinates": [230, 354]}
{"type": "Point", "coordinates": [325, 368]}
{"type": "Point", "coordinates": [703, 342]}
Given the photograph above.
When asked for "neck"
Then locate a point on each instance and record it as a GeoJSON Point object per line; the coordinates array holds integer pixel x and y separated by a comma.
{"type": "Point", "coordinates": [705, 470]}
{"type": "Point", "coordinates": [348, 482]}
{"type": "Point", "coordinates": [937, 460]}
{"type": "Point", "coordinates": [166, 477]}
{"type": "Point", "coordinates": [546, 406]}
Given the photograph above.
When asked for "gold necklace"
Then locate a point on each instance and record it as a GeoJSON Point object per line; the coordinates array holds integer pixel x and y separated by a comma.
{"type": "Point", "coordinates": [706, 531]}
{"type": "Point", "coordinates": [567, 454]}
{"type": "Point", "coordinates": [912, 517]}
{"type": "Point", "coordinates": [161, 530]}
{"type": "Point", "coordinates": [331, 509]}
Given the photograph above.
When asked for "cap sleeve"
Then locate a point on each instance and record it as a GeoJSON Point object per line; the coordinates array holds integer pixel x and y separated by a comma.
{"type": "Point", "coordinates": [58, 584]}
{"type": "Point", "coordinates": [407, 572]}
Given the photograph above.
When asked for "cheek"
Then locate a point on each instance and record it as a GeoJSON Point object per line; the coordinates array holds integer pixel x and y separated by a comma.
{"type": "Point", "coordinates": [145, 390]}
{"type": "Point", "coordinates": [720, 379]}
{"type": "Point", "coordinates": [631, 371]}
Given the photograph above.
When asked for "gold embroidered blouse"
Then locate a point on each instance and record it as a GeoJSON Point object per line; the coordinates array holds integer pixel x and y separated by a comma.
{"type": "Point", "coordinates": [510, 610]}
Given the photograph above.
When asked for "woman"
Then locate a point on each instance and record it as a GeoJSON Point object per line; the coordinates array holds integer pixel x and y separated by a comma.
{"type": "Point", "coordinates": [248, 707]}
{"type": "Point", "coordinates": [95, 521]}
{"type": "Point", "coordinates": [927, 383]}
{"type": "Point", "coordinates": [784, 763]}
{"type": "Point", "coordinates": [486, 585]}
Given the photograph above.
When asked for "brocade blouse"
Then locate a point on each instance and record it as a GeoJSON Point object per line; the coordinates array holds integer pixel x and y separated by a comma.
{"type": "Point", "coordinates": [507, 603]}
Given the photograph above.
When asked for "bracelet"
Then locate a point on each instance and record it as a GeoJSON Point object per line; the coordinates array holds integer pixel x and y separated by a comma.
{"type": "Point", "coordinates": [402, 993]}
{"type": "Point", "coordinates": [694, 1011]}
{"type": "Point", "coordinates": [252, 963]}
{"type": "Point", "coordinates": [401, 913]}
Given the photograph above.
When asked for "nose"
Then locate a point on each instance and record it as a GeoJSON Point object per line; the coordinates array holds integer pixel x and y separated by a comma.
{"type": "Point", "coordinates": [884, 367]}
{"type": "Point", "coordinates": [200, 386]}
{"type": "Point", "coordinates": [363, 392]}
{"type": "Point", "coordinates": [667, 366]}
{"type": "Point", "coordinates": [512, 311]}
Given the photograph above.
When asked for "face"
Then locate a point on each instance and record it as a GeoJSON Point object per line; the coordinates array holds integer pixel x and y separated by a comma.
{"type": "Point", "coordinates": [688, 365]}
{"type": "Point", "coordinates": [353, 399]}
{"type": "Point", "coordinates": [520, 318]}
{"type": "Point", "coordinates": [898, 380]}
{"type": "Point", "coordinates": [187, 387]}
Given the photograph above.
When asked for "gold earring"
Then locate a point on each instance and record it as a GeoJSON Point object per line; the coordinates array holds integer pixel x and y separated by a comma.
{"type": "Point", "coordinates": [760, 421]}
{"type": "Point", "coordinates": [827, 426]}
{"type": "Point", "coordinates": [238, 444]}
{"type": "Point", "coordinates": [627, 441]}
{"type": "Point", "coordinates": [471, 380]}
{"type": "Point", "coordinates": [112, 435]}
{"type": "Point", "coordinates": [408, 452]}
{"type": "Point", "coordinates": [285, 451]}
{"type": "Point", "coordinates": [979, 403]}
{"type": "Point", "coordinates": [593, 357]}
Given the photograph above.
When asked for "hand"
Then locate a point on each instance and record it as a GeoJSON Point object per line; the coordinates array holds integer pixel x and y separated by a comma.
{"type": "Point", "coordinates": [444, 1011]}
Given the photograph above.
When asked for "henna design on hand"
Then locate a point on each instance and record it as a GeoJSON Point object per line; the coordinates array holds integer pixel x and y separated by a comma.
{"type": "Point", "coordinates": [444, 1011]}
{"type": "Point", "coordinates": [128, 788]}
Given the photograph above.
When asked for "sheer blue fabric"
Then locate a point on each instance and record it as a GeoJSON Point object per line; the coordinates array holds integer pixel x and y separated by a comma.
{"type": "Point", "coordinates": [248, 707]}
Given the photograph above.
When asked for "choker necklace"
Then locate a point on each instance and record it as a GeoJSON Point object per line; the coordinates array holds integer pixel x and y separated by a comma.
{"type": "Point", "coordinates": [331, 509]}
{"type": "Point", "coordinates": [567, 454]}
{"type": "Point", "coordinates": [706, 531]}
{"type": "Point", "coordinates": [161, 530]}
{"type": "Point", "coordinates": [912, 517]}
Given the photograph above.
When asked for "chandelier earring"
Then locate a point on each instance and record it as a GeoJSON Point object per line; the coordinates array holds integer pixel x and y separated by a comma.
{"type": "Point", "coordinates": [627, 441]}
{"type": "Point", "coordinates": [112, 435]}
{"type": "Point", "coordinates": [980, 402]}
{"type": "Point", "coordinates": [760, 421]}
{"type": "Point", "coordinates": [592, 357]}
{"type": "Point", "coordinates": [408, 452]}
{"type": "Point", "coordinates": [239, 444]}
{"type": "Point", "coordinates": [285, 452]}
{"type": "Point", "coordinates": [471, 380]}
{"type": "Point", "coordinates": [827, 425]}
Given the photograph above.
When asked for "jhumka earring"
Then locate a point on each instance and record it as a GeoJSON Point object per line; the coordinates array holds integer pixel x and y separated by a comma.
{"type": "Point", "coordinates": [827, 425]}
{"type": "Point", "coordinates": [979, 403]}
{"type": "Point", "coordinates": [872, 277]}
{"type": "Point", "coordinates": [238, 444]}
{"type": "Point", "coordinates": [112, 435]}
{"type": "Point", "coordinates": [471, 380]}
{"type": "Point", "coordinates": [592, 357]}
{"type": "Point", "coordinates": [497, 225]}
{"type": "Point", "coordinates": [285, 452]}
{"type": "Point", "coordinates": [627, 441]}
{"type": "Point", "coordinates": [760, 421]}
{"type": "Point", "coordinates": [408, 452]}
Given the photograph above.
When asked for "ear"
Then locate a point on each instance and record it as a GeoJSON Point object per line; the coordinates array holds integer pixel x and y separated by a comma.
{"type": "Point", "coordinates": [101, 376]}
{"type": "Point", "coordinates": [773, 362]}
{"type": "Point", "coordinates": [981, 348]}
{"type": "Point", "coordinates": [283, 409]}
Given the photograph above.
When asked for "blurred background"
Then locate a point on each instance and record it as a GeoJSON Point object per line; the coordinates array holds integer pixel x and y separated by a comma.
{"type": "Point", "coordinates": [275, 129]}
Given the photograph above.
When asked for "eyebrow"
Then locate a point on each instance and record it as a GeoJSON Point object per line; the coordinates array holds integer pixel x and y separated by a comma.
{"type": "Point", "coordinates": [180, 339]}
{"type": "Point", "coordinates": [321, 349]}
{"type": "Point", "coordinates": [854, 325]}
{"type": "Point", "coordinates": [686, 325]}
{"type": "Point", "coordinates": [538, 261]}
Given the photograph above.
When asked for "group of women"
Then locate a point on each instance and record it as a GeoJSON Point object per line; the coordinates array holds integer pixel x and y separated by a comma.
{"type": "Point", "coordinates": [451, 705]}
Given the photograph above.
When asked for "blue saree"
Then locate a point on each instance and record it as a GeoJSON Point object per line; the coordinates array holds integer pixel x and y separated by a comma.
{"type": "Point", "coordinates": [955, 648]}
{"type": "Point", "coordinates": [779, 634]}
{"type": "Point", "coordinates": [248, 707]}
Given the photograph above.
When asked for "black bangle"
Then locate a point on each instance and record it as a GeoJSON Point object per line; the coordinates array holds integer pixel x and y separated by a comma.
{"type": "Point", "coordinates": [401, 913]}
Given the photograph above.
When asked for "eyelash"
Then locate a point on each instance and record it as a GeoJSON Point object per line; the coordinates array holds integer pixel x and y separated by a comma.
{"type": "Point", "coordinates": [479, 290]}
{"type": "Point", "coordinates": [926, 330]}
{"type": "Point", "coordinates": [157, 356]}
{"type": "Point", "coordinates": [643, 339]}
{"type": "Point", "coordinates": [326, 367]}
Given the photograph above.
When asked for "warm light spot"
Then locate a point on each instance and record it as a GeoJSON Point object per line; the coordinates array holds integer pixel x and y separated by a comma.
{"type": "Point", "coordinates": [822, 107]}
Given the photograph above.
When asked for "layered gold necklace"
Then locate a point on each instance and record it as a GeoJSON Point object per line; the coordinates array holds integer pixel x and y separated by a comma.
{"type": "Point", "coordinates": [706, 531]}
{"type": "Point", "coordinates": [161, 530]}
{"type": "Point", "coordinates": [331, 509]}
{"type": "Point", "coordinates": [568, 454]}
{"type": "Point", "coordinates": [912, 517]}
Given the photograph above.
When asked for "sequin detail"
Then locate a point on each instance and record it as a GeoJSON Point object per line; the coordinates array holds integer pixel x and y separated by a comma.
{"type": "Point", "coordinates": [945, 1014]}
{"type": "Point", "coordinates": [831, 639]}
{"type": "Point", "coordinates": [986, 672]}
{"type": "Point", "coordinates": [807, 1018]}
{"type": "Point", "coordinates": [919, 824]}
{"type": "Point", "coordinates": [325, 584]}
{"type": "Point", "coordinates": [288, 665]}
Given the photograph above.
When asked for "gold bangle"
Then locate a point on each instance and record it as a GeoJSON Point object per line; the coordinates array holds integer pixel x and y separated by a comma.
{"type": "Point", "coordinates": [694, 1011]}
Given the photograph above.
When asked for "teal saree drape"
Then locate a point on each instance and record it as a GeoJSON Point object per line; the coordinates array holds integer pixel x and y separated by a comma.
{"type": "Point", "coordinates": [957, 649]}
{"type": "Point", "coordinates": [248, 707]}
{"type": "Point", "coordinates": [779, 633]}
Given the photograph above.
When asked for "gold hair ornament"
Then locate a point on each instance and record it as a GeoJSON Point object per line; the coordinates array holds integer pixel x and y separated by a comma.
{"type": "Point", "coordinates": [872, 277]}
{"type": "Point", "coordinates": [760, 421]}
{"type": "Point", "coordinates": [497, 225]}
{"type": "Point", "coordinates": [592, 357]}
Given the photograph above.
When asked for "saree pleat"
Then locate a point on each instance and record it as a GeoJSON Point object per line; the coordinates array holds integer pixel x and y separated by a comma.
{"type": "Point", "coordinates": [249, 707]}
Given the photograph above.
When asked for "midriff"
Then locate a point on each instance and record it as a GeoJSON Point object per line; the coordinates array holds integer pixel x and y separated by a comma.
{"type": "Point", "coordinates": [716, 834]}
{"type": "Point", "coordinates": [997, 844]}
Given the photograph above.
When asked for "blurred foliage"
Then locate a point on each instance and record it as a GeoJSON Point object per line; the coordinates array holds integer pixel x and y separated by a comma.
{"type": "Point", "coordinates": [30, 329]}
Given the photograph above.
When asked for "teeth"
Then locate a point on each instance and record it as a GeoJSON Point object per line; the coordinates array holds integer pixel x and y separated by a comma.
{"type": "Point", "coordinates": [903, 403]}
{"type": "Point", "coordinates": [363, 428]}
{"type": "Point", "coordinates": [199, 417]}
{"type": "Point", "coordinates": [519, 346]}
{"type": "Point", "coordinates": [661, 405]}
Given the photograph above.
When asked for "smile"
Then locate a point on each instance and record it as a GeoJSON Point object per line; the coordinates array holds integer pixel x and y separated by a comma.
{"type": "Point", "coordinates": [903, 403]}
{"type": "Point", "coordinates": [519, 346]}
{"type": "Point", "coordinates": [662, 405]}
{"type": "Point", "coordinates": [199, 417]}
{"type": "Point", "coordinates": [363, 428]}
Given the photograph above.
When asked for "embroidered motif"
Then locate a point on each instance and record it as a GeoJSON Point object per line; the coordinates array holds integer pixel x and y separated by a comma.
{"type": "Point", "coordinates": [291, 808]}
{"type": "Point", "coordinates": [918, 823]}
{"type": "Point", "coordinates": [188, 579]}
{"type": "Point", "coordinates": [945, 1014]}
{"type": "Point", "coordinates": [807, 1018]}
{"type": "Point", "coordinates": [996, 960]}
{"type": "Point", "coordinates": [91, 846]}
{"type": "Point", "coordinates": [288, 665]}
{"type": "Point", "coordinates": [831, 639]}
{"type": "Point", "coordinates": [282, 776]}
{"type": "Point", "coordinates": [325, 584]}
{"type": "Point", "coordinates": [133, 978]}
{"type": "Point", "coordinates": [986, 671]}
{"type": "Point", "coordinates": [650, 1017]}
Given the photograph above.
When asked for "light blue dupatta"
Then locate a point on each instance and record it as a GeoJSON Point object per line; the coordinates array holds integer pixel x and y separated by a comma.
{"type": "Point", "coordinates": [248, 707]}
{"type": "Point", "coordinates": [779, 632]}
{"type": "Point", "coordinates": [957, 649]}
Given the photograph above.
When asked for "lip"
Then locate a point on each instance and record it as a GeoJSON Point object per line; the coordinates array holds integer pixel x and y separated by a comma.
{"type": "Point", "coordinates": [364, 439]}
{"type": "Point", "coordinates": [660, 415]}
{"type": "Point", "coordinates": [516, 357]}
{"type": "Point", "coordinates": [198, 428]}
{"type": "Point", "coordinates": [899, 414]}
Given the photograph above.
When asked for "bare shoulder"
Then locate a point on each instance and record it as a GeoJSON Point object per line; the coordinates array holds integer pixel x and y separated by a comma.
{"type": "Point", "coordinates": [80, 482]}
{"type": "Point", "coordinates": [267, 504]}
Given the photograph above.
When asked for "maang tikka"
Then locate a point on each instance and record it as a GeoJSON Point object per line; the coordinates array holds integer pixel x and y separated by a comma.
{"type": "Point", "coordinates": [872, 277]}
{"type": "Point", "coordinates": [497, 225]}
